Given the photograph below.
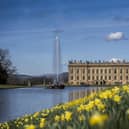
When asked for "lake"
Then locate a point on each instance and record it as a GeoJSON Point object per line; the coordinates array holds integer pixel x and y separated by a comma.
{"type": "Point", "coordinates": [18, 102]}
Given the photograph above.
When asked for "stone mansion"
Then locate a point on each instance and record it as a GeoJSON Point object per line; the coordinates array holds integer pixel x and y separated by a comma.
{"type": "Point", "coordinates": [98, 73]}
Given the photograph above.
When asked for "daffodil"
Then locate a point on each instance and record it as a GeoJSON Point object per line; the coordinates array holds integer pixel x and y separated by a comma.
{"type": "Point", "coordinates": [126, 88]}
{"type": "Point", "coordinates": [81, 117]}
{"type": "Point", "coordinates": [57, 118]}
{"type": "Point", "coordinates": [106, 94]}
{"type": "Point", "coordinates": [89, 106]}
{"type": "Point", "coordinates": [101, 107]}
{"type": "Point", "coordinates": [81, 108]}
{"type": "Point", "coordinates": [98, 119]}
{"type": "Point", "coordinates": [62, 117]}
{"type": "Point", "coordinates": [36, 114]}
{"type": "Point", "coordinates": [115, 90]}
{"type": "Point", "coordinates": [42, 122]}
{"type": "Point", "coordinates": [44, 114]}
{"type": "Point", "coordinates": [97, 101]}
{"type": "Point", "coordinates": [41, 125]}
{"type": "Point", "coordinates": [30, 126]}
{"type": "Point", "coordinates": [117, 98]}
{"type": "Point", "coordinates": [26, 120]}
{"type": "Point", "coordinates": [68, 115]}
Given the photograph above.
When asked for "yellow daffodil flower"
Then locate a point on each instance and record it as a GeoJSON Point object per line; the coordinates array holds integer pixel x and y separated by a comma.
{"type": "Point", "coordinates": [30, 126]}
{"type": "Point", "coordinates": [98, 119]}
{"type": "Point", "coordinates": [68, 115]}
{"type": "Point", "coordinates": [117, 98]}
{"type": "Point", "coordinates": [57, 118]}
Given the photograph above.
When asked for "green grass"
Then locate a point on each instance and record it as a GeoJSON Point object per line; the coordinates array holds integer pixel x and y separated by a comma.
{"type": "Point", "coordinates": [3, 86]}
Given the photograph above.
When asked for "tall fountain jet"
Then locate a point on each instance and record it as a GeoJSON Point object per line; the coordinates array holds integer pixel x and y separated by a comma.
{"type": "Point", "coordinates": [57, 82]}
{"type": "Point", "coordinates": [57, 57]}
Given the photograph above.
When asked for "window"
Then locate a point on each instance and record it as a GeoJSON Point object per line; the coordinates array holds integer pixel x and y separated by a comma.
{"type": "Point", "coordinates": [126, 70]}
{"type": "Point", "coordinates": [105, 77]}
{"type": "Point", "coordinates": [77, 70]}
{"type": "Point", "coordinates": [101, 77]}
{"type": "Point", "coordinates": [115, 71]}
{"type": "Point", "coordinates": [71, 77]}
{"type": "Point", "coordinates": [109, 70]}
{"type": "Point", "coordinates": [120, 70]}
{"type": "Point", "coordinates": [115, 78]}
{"type": "Point", "coordinates": [88, 77]}
{"type": "Point", "coordinates": [93, 71]}
{"type": "Point", "coordinates": [77, 77]}
{"type": "Point", "coordinates": [120, 77]}
{"type": "Point", "coordinates": [109, 77]}
{"type": "Point", "coordinates": [97, 71]}
{"type": "Point", "coordinates": [105, 70]}
{"type": "Point", "coordinates": [97, 78]}
{"type": "Point", "coordinates": [92, 77]}
{"type": "Point", "coordinates": [127, 77]}
{"type": "Point", "coordinates": [101, 71]}
{"type": "Point", "coordinates": [83, 77]}
{"type": "Point", "coordinates": [88, 70]}
{"type": "Point", "coordinates": [83, 70]}
{"type": "Point", "coordinates": [71, 70]}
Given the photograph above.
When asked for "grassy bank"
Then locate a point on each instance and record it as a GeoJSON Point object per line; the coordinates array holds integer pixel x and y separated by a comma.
{"type": "Point", "coordinates": [107, 109]}
{"type": "Point", "coordinates": [11, 86]}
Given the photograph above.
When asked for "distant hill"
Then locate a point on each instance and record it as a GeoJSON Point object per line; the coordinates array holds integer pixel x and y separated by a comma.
{"type": "Point", "coordinates": [22, 79]}
{"type": "Point", "coordinates": [22, 76]}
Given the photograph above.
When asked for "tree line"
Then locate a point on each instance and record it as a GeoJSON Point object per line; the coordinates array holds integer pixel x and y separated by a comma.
{"type": "Point", "coordinates": [6, 67]}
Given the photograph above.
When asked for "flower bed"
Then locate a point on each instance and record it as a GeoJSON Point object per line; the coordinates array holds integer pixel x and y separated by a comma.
{"type": "Point", "coordinates": [107, 109]}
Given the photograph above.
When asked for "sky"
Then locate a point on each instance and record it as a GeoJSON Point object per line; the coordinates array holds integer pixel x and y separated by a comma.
{"type": "Point", "coordinates": [91, 30]}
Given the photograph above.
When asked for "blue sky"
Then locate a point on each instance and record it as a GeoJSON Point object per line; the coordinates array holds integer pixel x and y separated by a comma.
{"type": "Point", "coordinates": [26, 30]}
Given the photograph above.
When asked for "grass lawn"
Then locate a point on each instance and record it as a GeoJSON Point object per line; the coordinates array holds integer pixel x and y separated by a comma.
{"type": "Point", "coordinates": [2, 86]}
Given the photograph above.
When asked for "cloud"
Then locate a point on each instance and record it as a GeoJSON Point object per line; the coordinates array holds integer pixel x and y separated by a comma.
{"type": "Point", "coordinates": [115, 60]}
{"type": "Point", "coordinates": [115, 36]}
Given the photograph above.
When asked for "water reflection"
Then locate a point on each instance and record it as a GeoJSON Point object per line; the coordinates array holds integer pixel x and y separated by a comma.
{"type": "Point", "coordinates": [4, 102]}
{"type": "Point", "coordinates": [82, 93]}
{"type": "Point", "coordinates": [18, 102]}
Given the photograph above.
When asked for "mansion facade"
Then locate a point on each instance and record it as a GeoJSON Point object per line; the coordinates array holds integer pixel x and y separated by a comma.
{"type": "Point", "coordinates": [98, 73]}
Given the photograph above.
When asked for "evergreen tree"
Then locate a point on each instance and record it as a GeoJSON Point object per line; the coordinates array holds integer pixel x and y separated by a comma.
{"type": "Point", "coordinates": [6, 67]}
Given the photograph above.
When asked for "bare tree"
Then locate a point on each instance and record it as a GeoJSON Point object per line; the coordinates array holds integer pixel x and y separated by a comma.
{"type": "Point", "coordinates": [6, 67]}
